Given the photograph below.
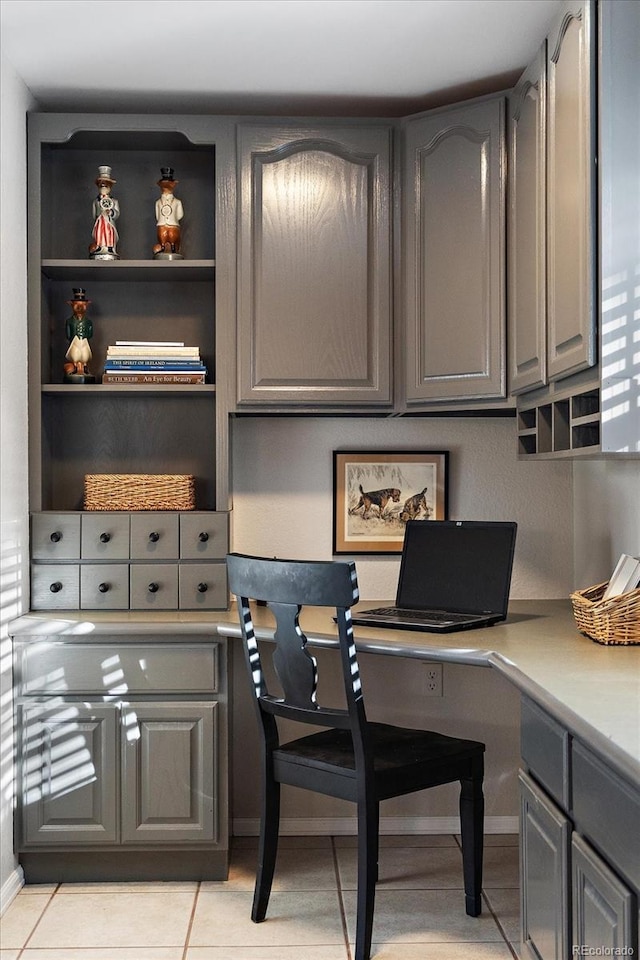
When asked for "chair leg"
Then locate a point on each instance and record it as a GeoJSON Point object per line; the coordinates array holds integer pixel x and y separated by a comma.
{"type": "Point", "coordinates": [368, 824]}
{"type": "Point", "coordinates": [267, 847]}
{"type": "Point", "coordinates": [472, 831]}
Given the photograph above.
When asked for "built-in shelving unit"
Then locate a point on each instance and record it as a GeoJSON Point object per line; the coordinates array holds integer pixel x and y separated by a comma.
{"type": "Point", "coordinates": [566, 423]}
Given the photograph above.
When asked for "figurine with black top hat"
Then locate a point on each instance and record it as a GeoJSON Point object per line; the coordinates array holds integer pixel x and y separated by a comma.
{"type": "Point", "coordinates": [169, 213]}
{"type": "Point", "coordinates": [79, 330]}
{"type": "Point", "coordinates": [106, 211]}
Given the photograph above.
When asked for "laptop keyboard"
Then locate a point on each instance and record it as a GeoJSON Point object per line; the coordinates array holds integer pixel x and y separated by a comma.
{"type": "Point", "coordinates": [420, 616]}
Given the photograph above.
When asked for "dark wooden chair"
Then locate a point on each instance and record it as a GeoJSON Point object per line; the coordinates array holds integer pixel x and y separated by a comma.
{"type": "Point", "coordinates": [350, 758]}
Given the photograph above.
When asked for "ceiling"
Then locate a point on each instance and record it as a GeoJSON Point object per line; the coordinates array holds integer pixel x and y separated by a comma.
{"type": "Point", "coordinates": [365, 57]}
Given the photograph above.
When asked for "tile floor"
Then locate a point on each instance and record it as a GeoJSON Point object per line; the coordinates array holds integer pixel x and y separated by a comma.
{"type": "Point", "coordinates": [419, 909]}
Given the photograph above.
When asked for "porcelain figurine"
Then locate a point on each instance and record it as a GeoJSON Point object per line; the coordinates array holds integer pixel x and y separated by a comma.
{"type": "Point", "coordinates": [79, 330]}
{"type": "Point", "coordinates": [169, 213]}
{"type": "Point", "coordinates": [106, 211]}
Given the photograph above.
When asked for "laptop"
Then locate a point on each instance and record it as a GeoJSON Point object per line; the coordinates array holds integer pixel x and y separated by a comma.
{"type": "Point", "coordinates": [454, 575]}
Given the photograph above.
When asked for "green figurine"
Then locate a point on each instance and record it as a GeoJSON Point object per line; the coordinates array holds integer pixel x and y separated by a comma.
{"type": "Point", "coordinates": [79, 330]}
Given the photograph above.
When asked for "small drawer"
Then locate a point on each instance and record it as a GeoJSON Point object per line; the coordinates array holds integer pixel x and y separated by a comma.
{"type": "Point", "coordinates": [55, 586]}
{"type": "Point", "coordinates": [104, 586]}
{"type": "Point", "coordinates": [545, 751]}
{"type": "Point", "coordinates": [203, 536]}
{"type": "Point", "coordinates": [117, 668]}
{"type": "Point", "coordinates": [154, 536]}
{"type": "Point", "coordinates": [203, 586]}
{"type": "Point", "coordinates": [606, 810]}
{"type": "Point", "coordinates": [105, 536]}
{"type": "Point", "coordinates": [55, 536]}
{"type": "Point", "coordinates": [154, 586]}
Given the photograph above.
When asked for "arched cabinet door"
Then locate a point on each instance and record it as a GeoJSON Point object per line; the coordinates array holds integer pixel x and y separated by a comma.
{"type": "Point", "coordinates": [314, 265]}
{"type": "Point", "coordinates": [571, 185]}
{"type": "Point", "coordinates": [526, 260]}
{"type": "Point", "coordinates": [453, 254]}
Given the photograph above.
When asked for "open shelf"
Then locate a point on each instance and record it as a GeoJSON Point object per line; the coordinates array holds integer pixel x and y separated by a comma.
{"type": "Point", "coordinates": [567, 424]}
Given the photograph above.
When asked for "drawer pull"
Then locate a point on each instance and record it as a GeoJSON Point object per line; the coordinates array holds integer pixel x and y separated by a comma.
{"type": "Point", "coordinates": [56, 587]}
{"type": "Point", "coordinates": [105, 537]}
{"type": "Point", "coordinates": [103, 587]}
{"type": "Point", "coordinates": [203, 537]}
{"type": "Point", "coordinates": [153, 587]}
{"type": "Point", "coordinates": [154, 536]}
{"type": "Point", "coordinates": [56, 536]}
{"type": "Point", "coordinates": [203, 587]}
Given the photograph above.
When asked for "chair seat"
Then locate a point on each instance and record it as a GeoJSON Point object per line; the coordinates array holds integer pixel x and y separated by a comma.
{"type": "Point", "coordinates": [399, 754]}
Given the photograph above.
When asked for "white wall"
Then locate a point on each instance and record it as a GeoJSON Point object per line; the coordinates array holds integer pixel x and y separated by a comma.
{"type": "Point", "coordinates": [282, 492]}
{"type": "Point", "coordinates": [14, 527]}
{"type": "Point", "coordinates": [606, 506]}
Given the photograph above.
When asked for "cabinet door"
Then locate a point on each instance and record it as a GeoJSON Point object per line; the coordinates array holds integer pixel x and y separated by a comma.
{"type": "Point", "coordinates": [527, 311]}
{"type": "Point", "coordinates": [171, 772]}
{"type": "Point", "coordinates": [603, 907]}
{"type": "Point", "coordinates": [314, 294]}
{"type": "Point", "coordinates": [454, 254]}
{"type": "Point", "coordinates": [68, 771]}
{"type": "Point", "coordinates": [544, 878]}
{"type": "Point", "coordinates": [571, 191]}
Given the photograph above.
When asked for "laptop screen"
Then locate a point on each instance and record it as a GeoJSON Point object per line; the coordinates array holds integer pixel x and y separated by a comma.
{"type": "Point", "coordinates": [461, 566]}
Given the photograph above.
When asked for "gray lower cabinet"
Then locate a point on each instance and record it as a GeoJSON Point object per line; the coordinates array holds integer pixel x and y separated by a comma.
{"type": "Point", "coordinates": [603, 907]}
{"type": "Point", "coordinates": [453, 254]}
{"type": "Point", "coordinates": [580, 847]}
{"type": "Point", "coordinates": [544, 853]}
{"type": "Point", "coordinates": [123, 750]}
{"type": "Point", "coordinates": [314, 264]}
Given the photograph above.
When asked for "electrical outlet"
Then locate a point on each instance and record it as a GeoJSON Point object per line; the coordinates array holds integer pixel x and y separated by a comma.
{"type": "Point", "coordinates": [434, 680]}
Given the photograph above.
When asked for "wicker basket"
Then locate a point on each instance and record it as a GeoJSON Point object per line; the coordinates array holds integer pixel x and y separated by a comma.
{"type": "Point", "coordinates": [138, 491]}
{"type": "Point", "coordinates": [614, 621]}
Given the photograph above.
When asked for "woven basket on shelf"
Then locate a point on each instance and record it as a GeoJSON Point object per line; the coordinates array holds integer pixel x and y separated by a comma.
{"type": "Point", "coordinates": [614, 621]}
{"type": "Point", "coordinates": [138, 491]}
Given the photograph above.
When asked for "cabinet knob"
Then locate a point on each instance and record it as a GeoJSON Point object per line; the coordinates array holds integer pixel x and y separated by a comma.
{"type": "Point", "coordinates": [56, 587]}
{"type": "Point", "coordinates": [154, 536]}
{"type": "Point", "coordinates": [103, 587]}
{"type": "Point", "coordinates": [153, 587]}
{"type": "Point", "coordinates": [203, 537]}
{"type": "Point", "coordinates": [203, 587]}
{"type": "Point", "coordinates": [56, 536]}
{"type": "Point", "coordinates": [105, 537]}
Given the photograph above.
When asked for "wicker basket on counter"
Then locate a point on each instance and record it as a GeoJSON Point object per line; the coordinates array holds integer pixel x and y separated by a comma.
{"type": "Point", "coordinates": [613, 621]}
{"type": "Point", "coordinates": [138, 491]}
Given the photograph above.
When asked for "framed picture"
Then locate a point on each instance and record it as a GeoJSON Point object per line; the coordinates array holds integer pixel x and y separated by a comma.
{"type": "Point", "coordinates": [375, 493]}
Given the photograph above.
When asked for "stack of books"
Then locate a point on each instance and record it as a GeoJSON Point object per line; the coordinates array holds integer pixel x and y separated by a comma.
{"type": "Point", "coordinates": [153, 361]}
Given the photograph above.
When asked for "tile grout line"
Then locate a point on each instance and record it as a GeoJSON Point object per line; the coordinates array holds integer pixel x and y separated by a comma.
{"type": "Point", "coordinates": [191, 920]}
{"type": "Point", "coordinates": [343, 917]}
{"type": "Point", "coordinates": [499, 925]}
{"type": "Point", "coordinates": [38, 921]}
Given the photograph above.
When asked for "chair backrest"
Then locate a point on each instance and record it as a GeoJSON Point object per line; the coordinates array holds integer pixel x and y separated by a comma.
{"type": "Point", "coordinates": [286, 586]}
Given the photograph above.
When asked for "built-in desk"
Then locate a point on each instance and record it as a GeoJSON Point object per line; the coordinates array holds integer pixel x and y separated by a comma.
{"type": "Point", "coordinates": [580, 777]}
{"type": "Point", "coordinates": [580, 771]}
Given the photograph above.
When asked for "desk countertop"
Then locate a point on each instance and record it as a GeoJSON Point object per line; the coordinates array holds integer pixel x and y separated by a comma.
{"type": "Point", "coordinates": [592, 690]}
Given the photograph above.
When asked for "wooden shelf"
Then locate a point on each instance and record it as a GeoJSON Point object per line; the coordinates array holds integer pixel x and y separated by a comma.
{"type": "Point", "coordinates": [566, 424]}
{"type": "Point", "coordinates": [49, 389]}
{"type": "Point", "coordinates": [135, 270]}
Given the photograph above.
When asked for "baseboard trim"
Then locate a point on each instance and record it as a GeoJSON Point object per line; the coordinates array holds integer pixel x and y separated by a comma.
{"type": "Point", "coordinates": [343, 826]}
{"type": "Point", "coordinates": [11, 888]}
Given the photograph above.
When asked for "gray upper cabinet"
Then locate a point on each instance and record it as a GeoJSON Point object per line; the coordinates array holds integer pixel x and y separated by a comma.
{"type": "Point", "coordinates": [314, 264]}
{"type": "Point", "coordinates": [571, 191]}
{"type": "Point", "coordinates": [453, 254]}
{"type": "Point", "coordinates": [527, 310]}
